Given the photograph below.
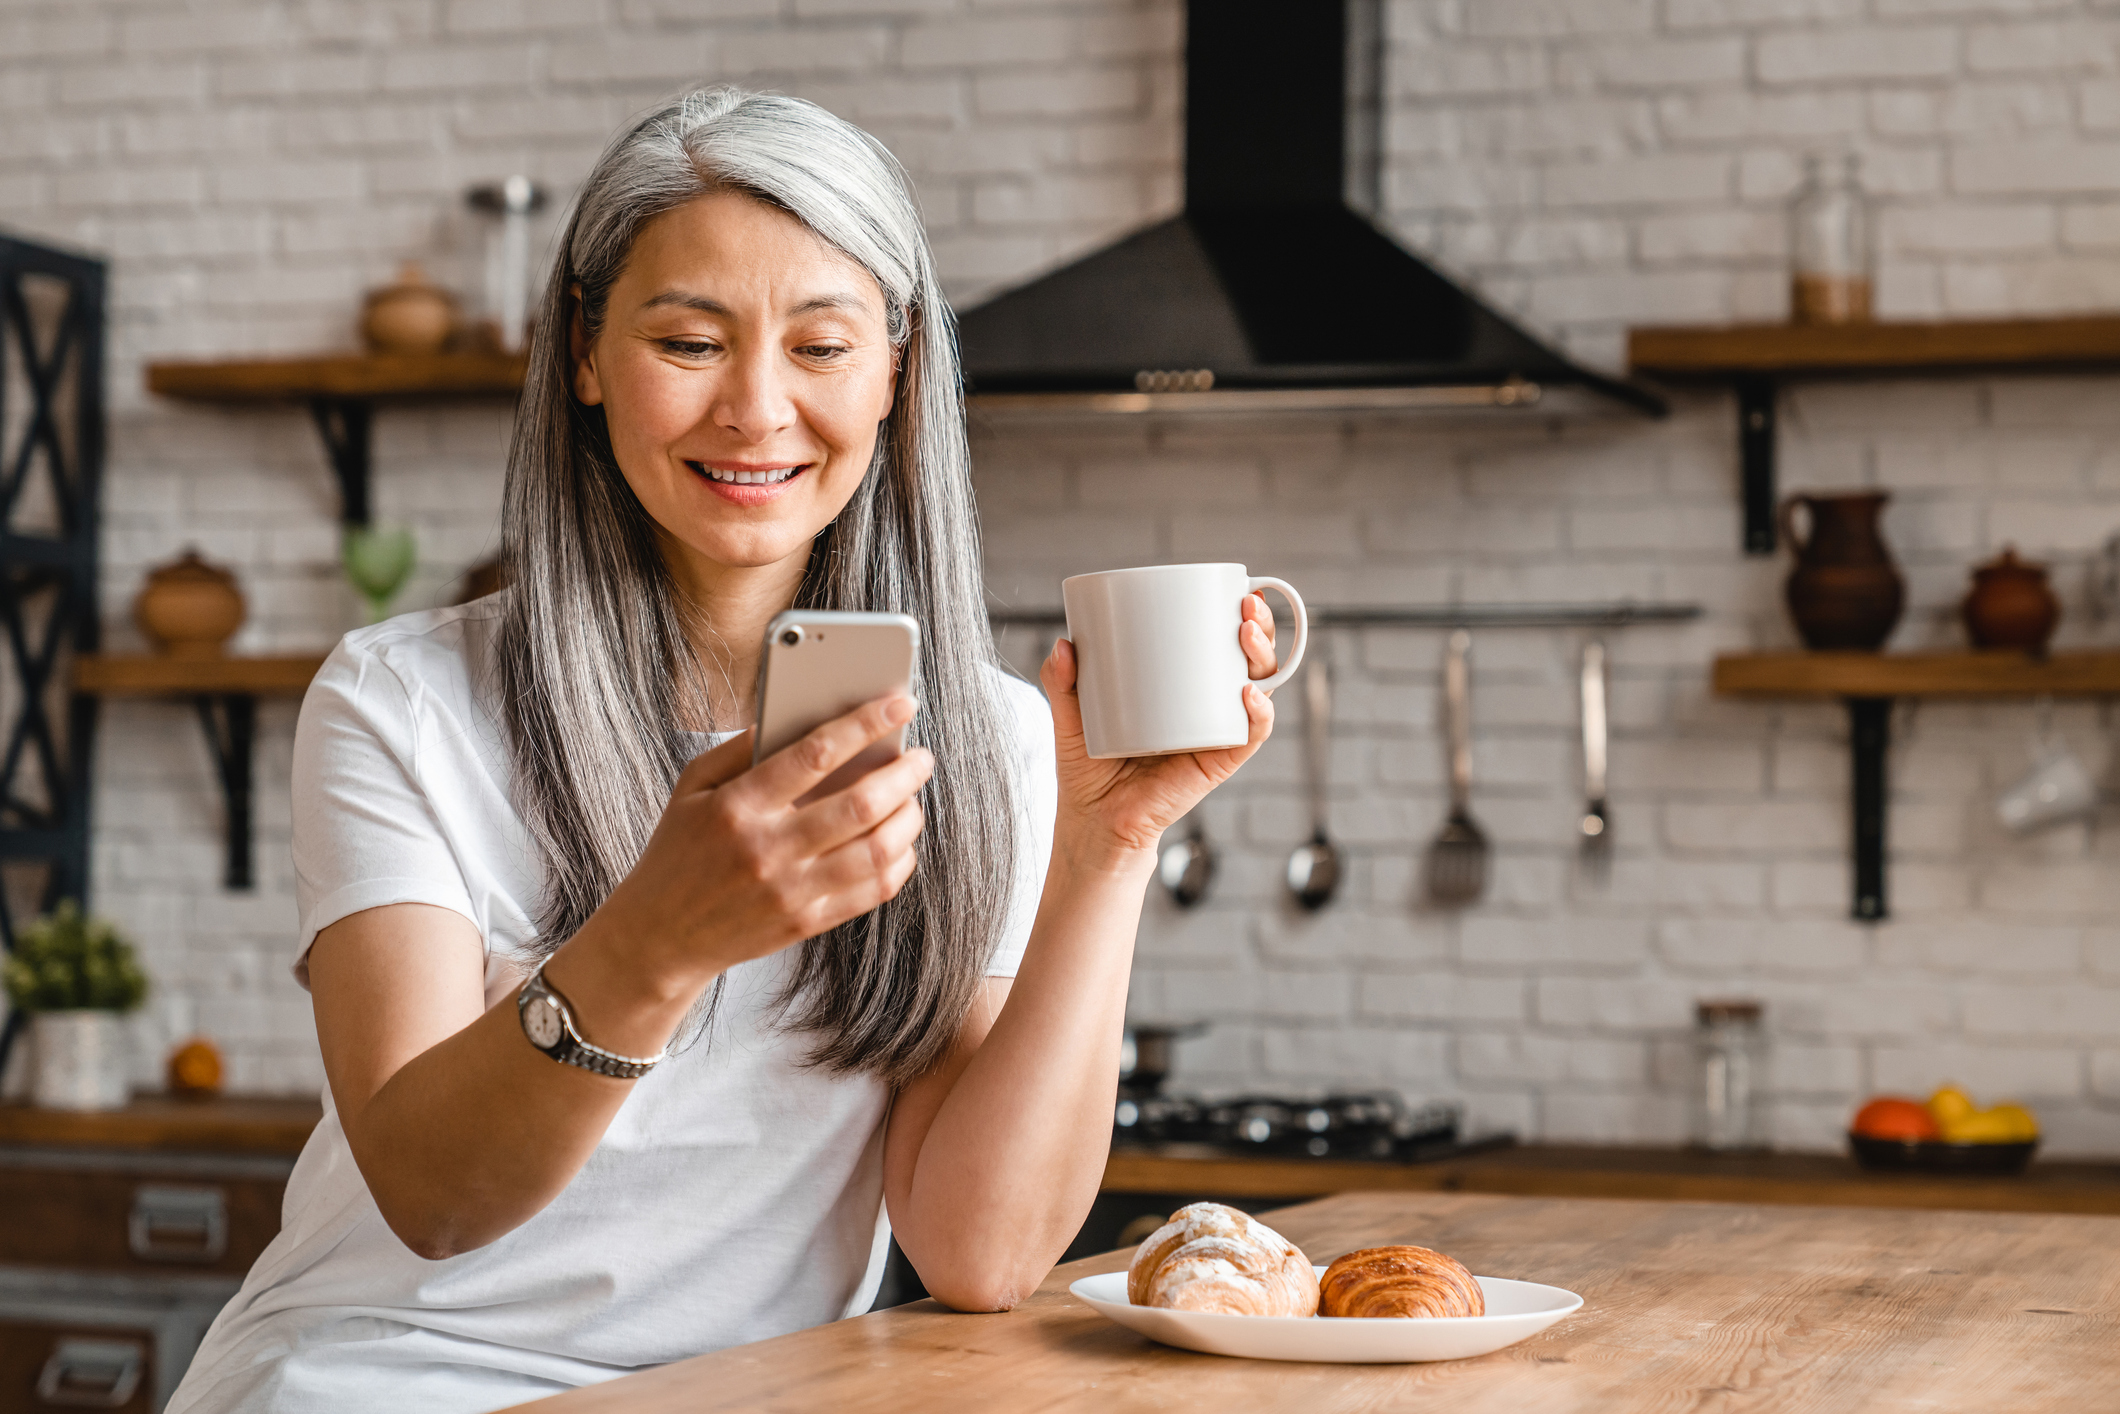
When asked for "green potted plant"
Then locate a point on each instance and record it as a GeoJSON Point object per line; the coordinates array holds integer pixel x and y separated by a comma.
{"type": "Point", "coordinates": [76, 976]}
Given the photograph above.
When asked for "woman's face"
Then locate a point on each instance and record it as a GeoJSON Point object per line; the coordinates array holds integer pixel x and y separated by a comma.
{"type": "Point", "coordinates": [743, 366]}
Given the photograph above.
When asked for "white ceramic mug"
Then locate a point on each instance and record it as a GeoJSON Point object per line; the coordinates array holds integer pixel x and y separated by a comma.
{"type": "Point", "coordinates": [1157, 663]}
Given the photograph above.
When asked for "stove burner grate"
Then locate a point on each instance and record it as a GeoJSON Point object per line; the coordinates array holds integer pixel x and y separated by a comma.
{"type": "Point", "coordinates": [1364, 1125]}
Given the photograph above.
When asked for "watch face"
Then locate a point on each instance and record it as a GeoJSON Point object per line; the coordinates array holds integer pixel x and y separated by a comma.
{"type": "Point", "coordinates": [541, 1020]}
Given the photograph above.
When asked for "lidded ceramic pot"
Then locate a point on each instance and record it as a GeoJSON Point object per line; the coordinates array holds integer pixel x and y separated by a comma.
{"type": "Point", "coordinates": [2011, 605]}
{"type": "Point", "coordinates": [413, 316]}
{"type": "Point", "coordinates": [1845, 592]}
{"type": "Point", "coordinates": [189, 608]}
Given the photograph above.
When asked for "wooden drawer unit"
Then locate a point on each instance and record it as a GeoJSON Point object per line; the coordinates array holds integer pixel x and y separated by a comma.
{"type": "Point", "coordinates": [125, 1233]}
{"type": "Point", "coordinates": [144, 1213]}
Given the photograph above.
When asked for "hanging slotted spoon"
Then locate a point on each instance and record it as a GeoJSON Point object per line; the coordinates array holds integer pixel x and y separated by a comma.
{"type": "Point", "coordinates": [1314, 868]}
{"type": "Point", "coordinates": [1457, 861]}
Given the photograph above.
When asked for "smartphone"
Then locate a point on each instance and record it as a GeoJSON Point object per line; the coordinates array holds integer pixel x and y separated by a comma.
{"type": "Point", "coordinates": [819, 664]}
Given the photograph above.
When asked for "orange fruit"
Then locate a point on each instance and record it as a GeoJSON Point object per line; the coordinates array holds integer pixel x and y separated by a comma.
{"type": "Point", "coordinates": [195, 1068]}
{"type": "Point", "coordinates": [1889, 1117]}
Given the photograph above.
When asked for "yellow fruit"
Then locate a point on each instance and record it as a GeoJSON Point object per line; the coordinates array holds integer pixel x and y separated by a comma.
{"type": "Point", "coordinates": [2024, 1125]}
{"type": "Point", "coordinates": [1950, 1104]}
{"type": "Point", "coordinates": [1982, 1127]}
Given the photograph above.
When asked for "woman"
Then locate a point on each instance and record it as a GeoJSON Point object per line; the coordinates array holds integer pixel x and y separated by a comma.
{"type": "Point", "coordinates": [800, 1027]}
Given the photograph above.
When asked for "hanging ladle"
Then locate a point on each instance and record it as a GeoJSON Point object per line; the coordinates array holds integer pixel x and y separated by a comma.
{"type": "Point", "coordinates": [1314, 868]}
{"type": "Point", "coordinates": [1187, 864]}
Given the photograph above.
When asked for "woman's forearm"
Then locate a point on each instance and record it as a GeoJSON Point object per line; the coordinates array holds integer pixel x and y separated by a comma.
{"type": "Point", "coordinates": [1013, 1155]}
{"type": "Point", "coordinates": [472, 1136]}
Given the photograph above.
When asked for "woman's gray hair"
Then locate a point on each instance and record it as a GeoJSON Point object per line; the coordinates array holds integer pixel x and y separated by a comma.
{"type": "Point", "coordinates": [595, 663]}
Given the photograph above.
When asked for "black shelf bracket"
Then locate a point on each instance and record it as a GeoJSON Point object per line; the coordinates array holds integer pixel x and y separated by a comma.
{"type": "Point", "coordinates": [1755, 456]}
{"type": "Point", "coordinates": [344, 424]}
{"type": "Point", "coordinates": [231, 723]}
{"type": "Point", "coordinates": [1869, 741]}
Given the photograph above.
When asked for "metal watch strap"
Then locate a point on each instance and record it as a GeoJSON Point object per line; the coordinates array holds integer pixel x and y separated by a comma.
{"type": "Point", "coordinates": [571, 1049]}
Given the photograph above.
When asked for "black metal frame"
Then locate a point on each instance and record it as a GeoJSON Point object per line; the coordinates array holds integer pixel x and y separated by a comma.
{"type": "Point", "coordinates": [33, 563]}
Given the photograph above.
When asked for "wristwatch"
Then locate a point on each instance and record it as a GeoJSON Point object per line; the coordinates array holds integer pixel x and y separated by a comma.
{"type": "Point", "coordinates": [549, 1023]}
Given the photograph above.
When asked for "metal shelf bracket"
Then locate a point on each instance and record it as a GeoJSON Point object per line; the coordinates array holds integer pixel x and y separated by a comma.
{"type": "Point", "coordinates": [231, 723]}
{"type": "Point", "coordinates": [1869, 742]}
{"type": "Point", "coordinates": [344, 424]}
{"type": "Point", "coordinates": [1755, 456]}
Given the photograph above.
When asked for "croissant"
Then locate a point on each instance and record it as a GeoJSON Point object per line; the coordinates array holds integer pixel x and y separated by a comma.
{"type": "Point", "coordinates": [1212, 1258]}
{"type": "Point", "coordinates": [1399, 1281]}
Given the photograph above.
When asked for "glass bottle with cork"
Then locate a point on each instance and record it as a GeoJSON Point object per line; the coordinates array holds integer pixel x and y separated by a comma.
{"type": "Point", "coordinates": [1830, 254]}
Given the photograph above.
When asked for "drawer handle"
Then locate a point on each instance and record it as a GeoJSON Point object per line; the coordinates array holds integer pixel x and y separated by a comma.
{"type": "Point", "coordinates": [171, 1224]}
{"type": "Point", "coordinates": [91, 1374]}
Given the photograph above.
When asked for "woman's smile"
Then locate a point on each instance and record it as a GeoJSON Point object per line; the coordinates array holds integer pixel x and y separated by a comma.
{"type": "Point", "coordinates": [748, 483]}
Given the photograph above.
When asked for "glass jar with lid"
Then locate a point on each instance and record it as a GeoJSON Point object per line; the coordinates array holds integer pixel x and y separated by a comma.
{"type": "Point", "coordinates": [1830, 252]}
{"type": "Point", "coordinates": [506, 311]}
{"type": "Point", "coordinates": [1729, 1074]}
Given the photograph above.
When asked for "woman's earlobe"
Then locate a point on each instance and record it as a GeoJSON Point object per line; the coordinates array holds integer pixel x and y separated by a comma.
{"type": "Point", "coordinates": [587, 387]}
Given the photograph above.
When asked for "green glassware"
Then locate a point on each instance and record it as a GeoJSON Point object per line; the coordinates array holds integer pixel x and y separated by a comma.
{"type": "Point", "coordinates": [378, 560]}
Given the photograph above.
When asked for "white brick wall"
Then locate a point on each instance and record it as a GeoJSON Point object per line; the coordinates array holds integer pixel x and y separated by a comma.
{"type": "Point", "coordinates": [251, 167]}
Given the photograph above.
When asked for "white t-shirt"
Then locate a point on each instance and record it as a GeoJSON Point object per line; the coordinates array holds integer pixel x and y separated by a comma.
{"type": "Point", "coordinates": [737, 1194]}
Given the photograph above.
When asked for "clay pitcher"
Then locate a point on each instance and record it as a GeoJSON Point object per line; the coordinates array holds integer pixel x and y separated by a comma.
{"type": "Point", "coordinates": [1845, 592]}
{"type": "Point", "coordinates": [2011, 605]}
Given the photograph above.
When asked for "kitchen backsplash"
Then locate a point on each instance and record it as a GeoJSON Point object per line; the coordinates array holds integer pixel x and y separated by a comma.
{"type": "Point", "coordinates": [252, 167]}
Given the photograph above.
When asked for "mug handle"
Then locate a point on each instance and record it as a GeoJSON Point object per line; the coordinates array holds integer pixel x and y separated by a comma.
{"type": "Point", "coordinates": [1295, 601]}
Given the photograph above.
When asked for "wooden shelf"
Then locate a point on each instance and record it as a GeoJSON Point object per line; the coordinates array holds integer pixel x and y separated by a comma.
{"type": "Point", "coordinates": [225, 693]}
{"type": "Point", "coordinates": [146, 675]}
{"type": "Point", "coordinates": [341, 391]}
{"type": "Point", "coordinates": [1867, 683]}
{"type": "Point", "coordinates": [222, 1125]}
{"type": "Point", "coordinates": [1812, 350]}
{"type": "Point", "coordinates": [338, 376]}
{"type": "Point", "coordinates": [1755, 359]}
{"type": "Point", "coordinates": [1917, 675]}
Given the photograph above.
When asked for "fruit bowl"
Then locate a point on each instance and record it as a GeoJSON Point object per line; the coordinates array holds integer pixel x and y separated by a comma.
{"type": "Point", "coordinates": [1935, 1156]}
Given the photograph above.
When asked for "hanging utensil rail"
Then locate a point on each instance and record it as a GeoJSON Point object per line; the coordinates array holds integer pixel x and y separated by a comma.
{"type": "Point", "coordinates": [1610, 614]}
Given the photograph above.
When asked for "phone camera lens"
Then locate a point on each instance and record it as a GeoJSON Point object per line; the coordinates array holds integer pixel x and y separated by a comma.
{"type": "Point", "coordinates": [791, 636]}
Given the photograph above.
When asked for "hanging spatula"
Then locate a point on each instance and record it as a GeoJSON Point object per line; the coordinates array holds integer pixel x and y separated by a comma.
{"type": "Point", "coordinates": [1457, 861]}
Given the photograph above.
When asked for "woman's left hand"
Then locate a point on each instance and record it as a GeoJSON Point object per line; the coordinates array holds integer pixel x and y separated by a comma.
{"type": "Point", "coordinates": [1126, 803]}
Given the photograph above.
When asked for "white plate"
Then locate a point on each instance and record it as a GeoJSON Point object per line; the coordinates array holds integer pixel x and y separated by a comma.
{"type": "Point", "coordinates": [1515, 1311]}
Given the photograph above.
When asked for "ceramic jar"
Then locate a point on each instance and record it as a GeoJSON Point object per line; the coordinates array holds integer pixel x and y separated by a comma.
{"type": "Point", "coordinates": [2011, 605]}
{"type": "Point", "coordinates": [78, 1060]}
{"type": "Point", "coordinates": [189, 608]}
{"type": "Point", "coordinates": [413, 316]}
{"type": "Point", "coordinates": [1845, 592]}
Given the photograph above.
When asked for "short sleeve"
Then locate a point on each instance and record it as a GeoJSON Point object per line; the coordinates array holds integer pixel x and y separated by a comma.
{"type": "Point", "coordinates": [1037, 798]}
{"type": "Point", "coordinates": [365, 832]}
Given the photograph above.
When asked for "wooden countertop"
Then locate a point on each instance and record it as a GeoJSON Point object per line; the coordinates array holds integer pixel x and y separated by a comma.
{"type": "Point", "coordinates": [1691, 1306]}
{"type": "Point", "coordinates": [222, 1125]}
{"type": "Point", "coordinates": [1566, 1171]}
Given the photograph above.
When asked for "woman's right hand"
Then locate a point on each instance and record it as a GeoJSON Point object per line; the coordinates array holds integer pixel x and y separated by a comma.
{"type": "Point", "coordinates": [737, 869]}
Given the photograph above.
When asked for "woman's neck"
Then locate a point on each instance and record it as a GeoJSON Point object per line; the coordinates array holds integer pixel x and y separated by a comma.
{"type": "Point", "coordinates": [729, 607]}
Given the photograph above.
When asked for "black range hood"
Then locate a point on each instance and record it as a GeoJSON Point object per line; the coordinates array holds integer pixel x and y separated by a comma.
{"type": "Point", "coordinates": [1272, 289]}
